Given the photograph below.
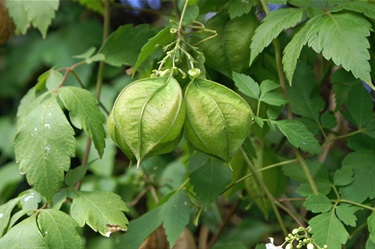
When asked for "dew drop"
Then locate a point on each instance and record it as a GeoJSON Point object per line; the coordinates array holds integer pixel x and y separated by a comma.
{"type": "Point", "coordinates": [107, 234]}
{"type": "Point", "coordinates": [49, 114]}
{"type": "Point", "coordinates": [35, 129]}
{"type": "Point", "coordinates": [46, 232]}
{"type": "Point", "coordinates": [1, 215]}
{"type": "Point", "coordinates": [304, 142]}
{"type": "Point", "coordinates": [32, 135]}
{"type": "Point", "coordinates": [157, 45]}
{"type": "Point", "coordinates": [27, 198]}
{"type": "Point", "coordinates": [47, 126]}
{"type": "Point", "coordinates": [23, 173]}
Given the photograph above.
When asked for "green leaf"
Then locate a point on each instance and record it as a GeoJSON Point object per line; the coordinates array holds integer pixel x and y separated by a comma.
{"type": "Point", "coordinates": [343, 176]}
{"type": "Point", "coordinates": [44, 144]}
{"type": "Point", "coordinates": [342, 37]}
{"type": "Point", "coordinates": [370, 244]}
{"type": "Point", "coordinates": [50, 80]}
{"type": "Point", "coordinates": [75, 175]}
{"type": "Point", "coordinates": [271, 27]}
{"type": "Point", "coordinates": [324, 187]}
{"type": "Point", "coordinates": [366, 8]}
{"type": "Point", "coordinates": [141, 228]}
{"type": "Point", "coordinates": [30, 199]}
{"type": "Point", "coordinates": [59, 229]}
{"type": "Point", "coordinates": [342, 82]}
{"type": "Point", "coordinates": [123, 45]}
{"type": "Point", "coordinates": [363, 185]}
{"type": "Point", "coordinates": [176, 216]}
{"type": "Point", "coordinates": [157, 42]}
{"type": "Point", "coordinates": [302, 97]}
{"type": "Point", "coordinates": [24, 235]}
{"type": "Point", "coordinates": [346, 214]}
{"type": "Point", "coordinates": [28, 103]}
{"type": "Point", "coordinates": [360, 106]}
{"type": "Point", "coordinates": [37, 13]}
{"type": "Point", "coordinates": [328, 120]}
{"type": "Point", "coordinates": [292, 51]}
{"type": "Point", "coordinates": [238, 8]}
{"type": "Point", "coordinates": [246, 85]}
{"type": "Point", "coordinates": [99, 210]}
{"type": "Point", "coordinates": [6, 211]}
{"type": "Point", "coordinates": [271, 93]}
{"type": "Point", "coordinates": [299, 136]}
{"type": "Point", "coordinates": [318, 203]}
{"type": "Point", "coordinates": [328, 230]}
{"type": "Point", "coordinates": [210, 179]}
{"type": "Point", "coordinates": [371, 226]}
{"type": "Point", "coordinates": [84, 113]}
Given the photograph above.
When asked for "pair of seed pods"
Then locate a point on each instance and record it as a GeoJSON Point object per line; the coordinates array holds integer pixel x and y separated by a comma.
{"type": "Point", "coordinates": [150, 115]}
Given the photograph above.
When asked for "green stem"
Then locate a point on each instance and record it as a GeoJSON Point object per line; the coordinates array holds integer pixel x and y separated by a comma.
{"type": "Point", "coordinates": [342, 137]}
{"type": "Point", "coordinates": [354, 203]}
{"type": "Point", "coordinates": [260, 170]}
{"type": "Point", "coordinates": [262, 185]}
{"type": "Point", "coordinates": [306, 169]}
{"type": "Point", "coordinates": [183, 14]}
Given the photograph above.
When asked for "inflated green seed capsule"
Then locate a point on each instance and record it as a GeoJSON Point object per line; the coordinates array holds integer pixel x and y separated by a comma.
{"type": "Point", "coordinates": [217, 119]}
{"type": "Point", "coordinates": [117, 138]}
{"type": "Point", "coordinates": [149, 116]}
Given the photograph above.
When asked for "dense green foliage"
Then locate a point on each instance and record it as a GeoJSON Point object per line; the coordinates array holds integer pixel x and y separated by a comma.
{"type": "Point", "coordinates": [198, 124]}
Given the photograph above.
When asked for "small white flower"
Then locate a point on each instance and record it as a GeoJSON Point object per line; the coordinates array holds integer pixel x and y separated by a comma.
{"type": "Point", "coordinates": [310, 246]}
{"type": "Point", "coordinates": [271, 245]}
{"type": "Point", "coordinates": [289, 246]}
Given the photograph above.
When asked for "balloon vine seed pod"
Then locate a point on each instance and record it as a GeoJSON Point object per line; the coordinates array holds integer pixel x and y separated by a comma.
{"type": "Point", "coordinates": [217, 119]}
{"type": "Point", "coordinates": [148, 117]}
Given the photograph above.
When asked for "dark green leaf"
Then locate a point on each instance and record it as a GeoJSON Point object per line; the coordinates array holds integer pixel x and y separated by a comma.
{"type": "Point", "coordinates": [370, 129]}
{"type": "Point", "coordinates": [318, 203]}
{"type": "Point", "coordinates": [366, 8]}
{"type": "Point", "coordinates": [75, 175]}
{"type": "Point", "coordinates": [246, 85]}
{"type": "Point", "coordinates": [238, 8]}
{"type": "Point", "coordinates": [324, 187]}
{"type": "Point", "coordinates": [328, 120]}
{"type": "Point", "coordinates": [84, 113]}
{"type": "Point", "coordinates": [24, 235]}
{"type": "Point", "coordinates": [271, 93]}
{"type": "Point", "coordinates": [328, 230]}
{"type": "Point", "coordinates": [292, 51]}
{"type": "Point", "coordinates": [176, 216]}
{"type": "Point", "coordinates": [59, 230]}
{"type": "Point", "coordinates": [343, 176]}
{"type": "Point", "coordinates": [346, 214]}
{"type": "Point", "coordinates": [192, 12]}
{"type": "Point", "coordinates": [5, 211]}
{"type": "Point", "coordinates": [342, 82]}
{"type": "Point", "coordinates": [229, 245]}
{"type": "Point", "coordinates": [99, 210]}
{"type": "Point", "coordinates": [360, 106]}
{"type": "Point", "coordinates": [210, 179]}
{"type": "Point", "coordinates": [157, 42]}
{"type": "Point", "coordinates": [363, 186]}
{"type": "Point", "coordinates": [141, 228]}
{"type": "Point", "coordinates": [299, 136]}
{"type": "Point", "coordinates": [271, 27]}
{"type": "Point", "coordinates": [44, 144]}
{"type": "Point", "coordinates": [371, 226]}
{"type": "Point", "coordinates": [342, 37]}
{"type": "Point", "coordinates": [123, 45]}
{"type": "Point", "coordinates": [301, 97]}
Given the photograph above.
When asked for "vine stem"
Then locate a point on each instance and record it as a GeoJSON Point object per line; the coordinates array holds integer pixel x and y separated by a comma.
{"type": "Point", "coordinates": [282, 79]}
{"type": "Point", "coordinates": [261, 184]}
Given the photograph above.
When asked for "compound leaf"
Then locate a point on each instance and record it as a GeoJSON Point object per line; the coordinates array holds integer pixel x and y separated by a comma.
{"type": "Point", "coordinates": [100, 210]}
{"type": "Point", "coordinates": [367, 8]}
{"type": "Point", "coordinates": [210, 179]}
{"type": "Point", "coordinates": [176, 216]}
{"type": "Point", "coordinates": [328, 230]}
{"type": "Point", "coordinates": [363, 185]}
{"type": "Point", "coordinates": [24, 235]}
{"type": "Point", "coordinates": [271, 27]}
{"type": "Point", "coordinates": [318, 203]}
{"type": "Point", "coordinates": [298, 135]}
{"type": "Point", "coordinates": [342, 37]}
{"type": "Point", "coordinates": [271, 93]}
{"type": "Point", "coordinates": [123, 45]}
{"type": "Point", "coordinates": [59, 229]}
{"type": "Point", "coordinates": [44, 143]}
{"type": "Point", "coordinates": [246, 85]}
{"type": "Point", "coordinates": [85, 113]}
{"type": "Point", "coordinates": [346, 214]}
